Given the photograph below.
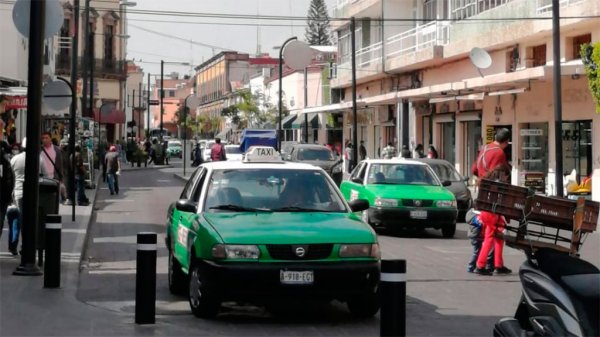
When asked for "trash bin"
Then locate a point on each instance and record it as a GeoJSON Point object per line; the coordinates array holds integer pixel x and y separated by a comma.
{"type": "Point", "coordinates": [49, 192]}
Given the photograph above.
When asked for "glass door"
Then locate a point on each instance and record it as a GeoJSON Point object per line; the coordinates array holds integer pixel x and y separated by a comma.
{"type": "Point", "coordinates": [534, 155]}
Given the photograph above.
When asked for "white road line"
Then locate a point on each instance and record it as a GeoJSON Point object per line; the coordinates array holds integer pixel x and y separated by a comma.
{"type": "Point", "coordinates": [118, 200]}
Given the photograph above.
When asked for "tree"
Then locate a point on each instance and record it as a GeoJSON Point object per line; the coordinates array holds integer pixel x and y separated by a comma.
{"type": "Point", "coordinates": [317, 30]}
{"type": "Point", "coordinates": [590, 55]}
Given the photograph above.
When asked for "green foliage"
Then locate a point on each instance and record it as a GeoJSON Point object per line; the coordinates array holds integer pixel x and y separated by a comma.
{"type": "Point", "coordinates": [590, 55]}
{"type": "Point", "coordinates": [317, 29]}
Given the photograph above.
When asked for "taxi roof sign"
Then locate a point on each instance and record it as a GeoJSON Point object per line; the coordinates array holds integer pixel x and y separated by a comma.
{"type": "Point", "coordinates": [262, 154]}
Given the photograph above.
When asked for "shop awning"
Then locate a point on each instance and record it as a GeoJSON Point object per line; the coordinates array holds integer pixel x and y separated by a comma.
{"type": "Point", "coordinates": [313, 121]}
{"type": "Point", "coordinates": [286, 122]}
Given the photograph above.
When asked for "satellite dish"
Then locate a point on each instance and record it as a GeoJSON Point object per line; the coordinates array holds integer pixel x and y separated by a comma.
{"type": "Point", "coordinates": [297, 55]}
{"type": "Point", "coordinates": [56, 97]}
{"type": "Point", "coordinates": [55, 16]}
{"type": "Point", "coordinates": [480, 59]}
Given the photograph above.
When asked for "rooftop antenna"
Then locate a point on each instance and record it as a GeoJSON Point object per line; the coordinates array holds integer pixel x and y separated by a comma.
{"type": "Point", "coordinates": [480, 59]}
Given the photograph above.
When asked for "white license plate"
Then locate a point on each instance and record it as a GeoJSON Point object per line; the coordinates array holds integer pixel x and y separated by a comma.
{"type": "Point", "coordinates": [418, 214]}
{"type": "Point", "coordinates": [296, 277]}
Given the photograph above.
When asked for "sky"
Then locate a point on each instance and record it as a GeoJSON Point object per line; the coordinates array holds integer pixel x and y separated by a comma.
{"type": "Point", "coordinates": [177, 41]}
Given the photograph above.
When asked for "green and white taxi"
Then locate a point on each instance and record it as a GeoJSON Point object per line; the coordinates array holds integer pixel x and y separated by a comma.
{"type": "Point", "coordinates": [262, 229]}
{"type": "Point", "coordinates": [402, 193]}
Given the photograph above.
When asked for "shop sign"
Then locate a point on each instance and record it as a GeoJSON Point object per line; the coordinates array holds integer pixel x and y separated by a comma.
{"type": "Point", "coordinates": [490, 131]}
{"type": "Point", "coordinates": [532, 132]}
{"type": "Point", "coordinates": [16, 102]}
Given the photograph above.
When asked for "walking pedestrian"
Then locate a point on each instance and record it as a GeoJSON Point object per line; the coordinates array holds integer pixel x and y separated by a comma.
{"type": "Point", "coordinates": [476, 235]}
{"type": "Point", "coordinates": [113, 170]}
{"type": "Point", "coordinates": [362, 150]}
{"type": "Point", "coordinates": [52, 158]}
{"type": "Point", "coordinates": [80, 172]}
{"type": "Point", "coordinates": [197, 155]}
{"type": "Point", "coordinates": [492, 154]}
{"type": "Point", "coordinates": [348, 155]}
{"type": "Point", "coordinates": [217, 151]}
{"type": "Point", "coordinates": [418, 152]}
{"type": "Point", "coordinates": [7, 181]}
{"type": "Point", "coordinates": [405, 151]}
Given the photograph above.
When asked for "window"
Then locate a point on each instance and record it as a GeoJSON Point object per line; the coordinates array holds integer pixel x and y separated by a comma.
{"type": "Point", "coordinates": [577, 146]}
{"type": "Point", "coordinates": [462, 9]}
{"type": "Point", "coordinates": [109, 44]}
{"type": "Point", "coordinates": [429, 10]}
{"type": "Point", "coordinates": [536, 56]}
{"type": "Point", "coordinates": [576, 43]}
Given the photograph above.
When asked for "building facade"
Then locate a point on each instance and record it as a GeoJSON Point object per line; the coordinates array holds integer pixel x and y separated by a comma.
{"type": "Point", "coordinates": [417, 83]}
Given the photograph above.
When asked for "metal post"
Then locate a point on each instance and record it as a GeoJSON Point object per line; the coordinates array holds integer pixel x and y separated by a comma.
{"type": "Point", "coordinates": [354, 112]}
{"type": "Point", "coordinates": [280, 129]}
{"type": "Point", "coordinates": [139, 111]}
{"type": "Point", "coordinates": [37, 20]}
{"type": "Point", "coordinates": [557, 98]}
{"type": "Point", "coordinates": [306, 104]}
{"type": "Point", "coordinates": [84, 64]}
{"type": "Point", "coordinates": [132, 111]}
{"type": "Point", "coordinates": [145, 279]}
{"type": "Point", "coordinates": [92, 57]}
{"type": "Point", "coordinates": [148, 112]}
{"type": "Point", "coordinates": [73, 111]}
{"type": "Point", "coordinates": [185, 113]}
{"type": "Point", "coordinates": [392, 287]}
{"type": "Point", "coordinates": [162, 96]}
{"type": "Point", "coordinates": [53, 247]}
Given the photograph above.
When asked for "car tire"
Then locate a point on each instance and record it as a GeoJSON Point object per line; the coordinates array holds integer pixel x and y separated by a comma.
{"type": "Point", "coordinates": [448, 231]}
{"type": "Point", "coordinates": [203, 303]}
{"type": "Point", "coordinates": [364, 306]}
{"type": "Point", "coordinates": [178, 280]}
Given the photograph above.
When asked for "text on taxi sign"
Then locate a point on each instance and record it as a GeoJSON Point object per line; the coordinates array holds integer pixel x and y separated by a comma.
{"type": "Point", "coordinates": [265, 151]}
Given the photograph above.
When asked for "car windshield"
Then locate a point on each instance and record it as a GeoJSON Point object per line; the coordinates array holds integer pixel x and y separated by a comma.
{"type": "Point", "coordinates": [400, 174]}
{"type": "Point", "coordinates": [315, 154]}
{"type": "Point", "coordinates": [445, 172]}
{"type": "Point", "coordinates": [271, 190]}
{"type": "Point", "coordinates": [234, 149]}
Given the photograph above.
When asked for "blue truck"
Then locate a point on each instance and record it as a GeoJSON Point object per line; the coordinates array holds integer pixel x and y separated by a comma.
{"type": "Point", "coordinates": [252, 137]}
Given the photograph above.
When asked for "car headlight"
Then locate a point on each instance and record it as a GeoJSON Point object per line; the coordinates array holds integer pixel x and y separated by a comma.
{"type": "Point", "coordinates": [249, 252]}
{"type": "Point", "coordinates": [360, 250]}
{"type": "Point", "coordinates": [446, 203]}
{"type": "Point", "coordinates": [382, 202]}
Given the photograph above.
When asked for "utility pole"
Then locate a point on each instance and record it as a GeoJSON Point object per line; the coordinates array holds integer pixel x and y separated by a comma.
{"type": "Point", "coordinates": [139, 111]}
{"type": "Point", "coordinates": [354, 112]}
{"type": "Point", "coordinates": [73, 111]}
{"type": "Point", "coordinates": [148, 112]}
{"type": "Point", "coordinates": [557, 98]}
{"type": "Point", "coordinates": [162, 96]}
{"type": "Point", "coordinates": [84, 63]}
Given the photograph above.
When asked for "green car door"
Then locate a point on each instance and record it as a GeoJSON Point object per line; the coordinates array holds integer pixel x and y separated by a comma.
{"type": "Point", "coordinates": [354, 188]}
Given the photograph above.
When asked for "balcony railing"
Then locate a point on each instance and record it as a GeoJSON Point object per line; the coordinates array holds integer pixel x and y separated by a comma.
{"type": "Point", "coordinates": [411, 41]}
{"type": "Point", "coordinates": [102, 67]}
{"type": "Point", "coordinates": [545, 6]}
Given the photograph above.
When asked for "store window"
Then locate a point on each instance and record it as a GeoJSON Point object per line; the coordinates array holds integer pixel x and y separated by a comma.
{"type": "Point", "coordinates": [534, 155]}
{"type": "Point", "coordinates": [577, 148]}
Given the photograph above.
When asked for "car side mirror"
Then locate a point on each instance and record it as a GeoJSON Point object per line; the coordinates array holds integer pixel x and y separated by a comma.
{"type": "Point", "coordinates": [187, 206]}
{"type": "Point", "coordinates": [357, 180]}
{"type": "Point", "coordinates": [359, 205]}
{"type": "Point", "coordinates": [446, 183]}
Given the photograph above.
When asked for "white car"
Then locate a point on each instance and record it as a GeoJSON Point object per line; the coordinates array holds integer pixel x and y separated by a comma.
{"type": "Point", "coordinates": [233, 152]}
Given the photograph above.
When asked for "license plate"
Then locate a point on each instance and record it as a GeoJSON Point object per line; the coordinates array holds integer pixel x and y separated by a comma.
{"type": "Point", "coordinates": [418, 214]}
{"type": "Point", "coordinates": [296, 277]}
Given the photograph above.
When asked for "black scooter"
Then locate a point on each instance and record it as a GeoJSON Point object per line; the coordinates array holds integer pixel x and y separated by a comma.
{"type": "Point", "coordinates": [560, 297]}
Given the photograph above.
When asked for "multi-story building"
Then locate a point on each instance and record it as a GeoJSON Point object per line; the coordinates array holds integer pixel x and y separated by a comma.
{"type": "Point", "coordinates": [417, 84]}
{"type": "Point", "coordinates": [136, 102]}
{"type": "Point", "coordinates": [176, 90]}
{"type": "Point", "coordinates": [108, 43]}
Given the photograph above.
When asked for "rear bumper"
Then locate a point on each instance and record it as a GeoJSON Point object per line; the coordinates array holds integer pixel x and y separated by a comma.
{"type": "Point", "coordinates": [400, 217]}
{"type": "Point", "coordinates": [261, 281]}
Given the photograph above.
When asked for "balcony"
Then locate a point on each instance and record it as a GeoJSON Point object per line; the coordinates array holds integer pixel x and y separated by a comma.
{"type": "Point", "coordinates": [545, 6]}
{"type": "Point", "coordinates": [368, 64]}
{"type": "Point", "coordinates": [423, 41]}
{"type": "Point", "coordinates": [358, 8]}
{"type": "Point", "coordinates": [103, 68]}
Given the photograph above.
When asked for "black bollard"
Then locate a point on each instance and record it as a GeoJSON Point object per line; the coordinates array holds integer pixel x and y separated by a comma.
{"type": "Point", "coordinates": [393, 298]}
{"type": "Point", "coordinates": [145, 279]}
{"type": "Point", "coordinates": [53, 247]}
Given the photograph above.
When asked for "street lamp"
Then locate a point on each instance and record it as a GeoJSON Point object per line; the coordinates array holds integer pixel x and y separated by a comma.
{"type": "Point", "coordinates": [162, 91]}
{"type": "Point", "coordinates": [279, 131]}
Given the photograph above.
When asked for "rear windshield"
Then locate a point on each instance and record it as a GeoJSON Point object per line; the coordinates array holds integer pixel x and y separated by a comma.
{"type": "Point", "coordinates": [315, 154]}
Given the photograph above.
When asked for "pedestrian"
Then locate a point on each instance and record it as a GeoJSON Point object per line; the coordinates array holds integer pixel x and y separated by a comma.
{"type": "Point", "coordinates": [80, 173]}
{"type": "Point", "coordinates": [101, 153]}
{"type": "Point", "coordinates": [197, 155]}
{"type": "Point", "coordinates": [7, 181]}
{"type": "Point", "coordinates": [389, 151]}
{"type": "Point", "coordinates": [348, 155]}
{"type": "Point", "coordinates": [432, 154]}
{"type": "Point", "coordinates": [418, 152]}
{"type": "Point", "coordinates": [154, 152]}
{"type": "Point", "coordinates": [66, 183]}
{"type": "Point", "coordinates": [475, 234]}
{"type": "Point", "coordinates": [492, 154]}
{"type": "Point", "coordinates": [405, 151]}
{"type": "Point", "coordinates": [165, 146]}
{"type": "Point", "coordinates": [217, 151]}
{"type": "Point", "coordinates": [362, 150]}
{"type": "Point", "coordinates": [493, 226]}
{"type": "Point", "coordinates": [122, 147]}
{"type": "Point", "coordinates": [113, 170]}
{"type": "Point", "coordinates": [52, 158]}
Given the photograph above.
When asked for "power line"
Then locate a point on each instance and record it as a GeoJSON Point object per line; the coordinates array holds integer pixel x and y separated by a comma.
{"type": "Point", "coordinates": [179, 38]}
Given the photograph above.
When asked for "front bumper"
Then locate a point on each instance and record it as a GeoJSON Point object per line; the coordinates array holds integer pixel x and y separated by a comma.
{"type": "Point", "coordinates": [254, 281]}
{"type": "Point", "coordinates": [401, 217]}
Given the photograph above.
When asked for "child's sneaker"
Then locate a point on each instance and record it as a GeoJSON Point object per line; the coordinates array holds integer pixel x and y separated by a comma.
{"type": "Point", "coordinates": [502, 271]}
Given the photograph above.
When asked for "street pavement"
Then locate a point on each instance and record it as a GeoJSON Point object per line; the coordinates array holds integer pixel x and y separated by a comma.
{"type": "Point", "coordinates": [97, 294]}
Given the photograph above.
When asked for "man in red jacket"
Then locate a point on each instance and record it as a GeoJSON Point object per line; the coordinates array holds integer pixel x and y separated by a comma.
{"type": "Point", "coordinates": [217, 151]}
{"type": "Point", "coordinates": [492, 154]}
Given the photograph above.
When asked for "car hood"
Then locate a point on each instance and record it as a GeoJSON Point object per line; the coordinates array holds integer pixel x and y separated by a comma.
{"type": "Point", "coordinates": [290, 228]}
{"type": "Point", "coordinates": [409, 192]}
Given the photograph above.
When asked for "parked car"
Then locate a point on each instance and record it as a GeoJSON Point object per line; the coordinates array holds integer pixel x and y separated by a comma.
{"type": "Point", "coordinates": [402, 193]}
{"type": "Point", "coordinates": [320, 156]}
{"type": "Point", "coordinates": [174, 149]}
{"type": "Point", "coordinates": [447, 172]}
{"type": "Point", "coordinates": [234, 152]}
{"type": "Point", "coordinates": [263, 230]}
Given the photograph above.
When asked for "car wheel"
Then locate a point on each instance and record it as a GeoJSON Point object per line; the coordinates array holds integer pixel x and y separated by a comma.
{"type": "Point", "coordinates": [202, 302]}
{"type": "Point", "coordinates": [178, 281]}
{"type": "Point", "coordinates": [365, 305]}
{"type": "Point", "coordinates": [449, 230]}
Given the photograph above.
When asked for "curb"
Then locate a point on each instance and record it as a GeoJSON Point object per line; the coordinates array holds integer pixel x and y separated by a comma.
{"type": "Point", "coordinates": [180, 177]}
{"type": "Point", "coordinates": [87, 227]}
